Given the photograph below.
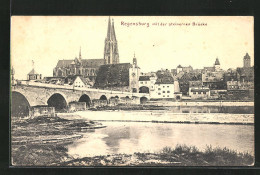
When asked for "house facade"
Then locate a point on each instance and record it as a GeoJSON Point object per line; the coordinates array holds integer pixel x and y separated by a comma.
{"type": "Point", "coordinates": [199, 92]}
{"type": "Point", "coordinates": [164, 86]}
{"type": "Point", "coordinates": [147, 83]}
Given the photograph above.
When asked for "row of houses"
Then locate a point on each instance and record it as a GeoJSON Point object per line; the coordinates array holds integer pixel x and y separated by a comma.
{"type": "Point", "coordinates": [207, 83]}
{"type": "Point", "coordinates": [184, 83]}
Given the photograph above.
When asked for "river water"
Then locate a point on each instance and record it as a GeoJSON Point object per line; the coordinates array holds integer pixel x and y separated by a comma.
{"type": "Point", "coordinates": [130, 137]}
{"type": "Point", "coordinates": [213, 109]}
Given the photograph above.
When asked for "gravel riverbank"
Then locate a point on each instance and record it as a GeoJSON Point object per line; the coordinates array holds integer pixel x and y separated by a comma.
{"type": "Point", "coordinates": [43, 138]}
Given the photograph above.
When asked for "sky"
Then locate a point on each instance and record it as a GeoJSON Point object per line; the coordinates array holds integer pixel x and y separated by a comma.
{"type": "Point", "coordinates": [47, 39]}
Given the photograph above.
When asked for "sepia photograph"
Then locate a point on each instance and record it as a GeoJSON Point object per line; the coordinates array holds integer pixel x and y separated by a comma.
{"type": "Point", "coordinates": [98, 91]}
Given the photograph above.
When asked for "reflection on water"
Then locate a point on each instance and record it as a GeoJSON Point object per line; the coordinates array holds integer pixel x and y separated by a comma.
{"type": "Point", "coordinates": [213, 109]}
{"type": "Point", "coordinates": [130, 137]}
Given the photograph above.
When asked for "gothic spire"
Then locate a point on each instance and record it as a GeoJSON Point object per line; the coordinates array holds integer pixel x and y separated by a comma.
{"type": "Point", "coordinates": [113, 31]}
{"type": "Point", "coordinates": [80, 53]}
{"type": "Point", "coordinates": [111, 36]}
{"type": "Point", "coordinates": [111, 55]}
{"type": "Point", "coordinates": [109, 29]}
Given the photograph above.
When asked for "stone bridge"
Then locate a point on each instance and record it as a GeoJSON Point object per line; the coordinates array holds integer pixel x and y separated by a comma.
{"type": "Point", "coordinates": [37, 94]}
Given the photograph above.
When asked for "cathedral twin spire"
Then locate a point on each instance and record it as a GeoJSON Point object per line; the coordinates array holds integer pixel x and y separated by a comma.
{"type": "Point", "coordinates": [111, 55]}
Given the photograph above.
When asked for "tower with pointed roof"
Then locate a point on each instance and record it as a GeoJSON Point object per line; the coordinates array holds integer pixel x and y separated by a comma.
{"type": "Point", "coordinates": [134, 61]}
{"type": "Point", "coordinates": [134, 73]}
{"type": "Point", "coordinates": [111, 55]}
{"type": "Point", "coordinates": [33, 75]}
{"type": "Point", "coordinates": [217, 65]}
{"type": "Point", "coordinates": [247, 60]}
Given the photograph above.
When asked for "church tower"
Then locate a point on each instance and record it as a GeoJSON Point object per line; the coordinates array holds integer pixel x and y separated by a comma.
{"type": "Point", "coordinates": [217, 65]}
{"type": "Point", "coordinates": [134, 73]}
{"type": "Point", "coordinates": [111, 55]}
{"type": "Point", "coordinates": [247, 60]}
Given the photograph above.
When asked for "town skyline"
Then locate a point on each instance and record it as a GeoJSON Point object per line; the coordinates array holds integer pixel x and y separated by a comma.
{"type": "Point", "coordinates": [45, 39]}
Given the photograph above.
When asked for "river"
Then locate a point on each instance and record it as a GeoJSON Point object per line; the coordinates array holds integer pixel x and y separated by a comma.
{"type": "Point", "coordinates": [129, 137]}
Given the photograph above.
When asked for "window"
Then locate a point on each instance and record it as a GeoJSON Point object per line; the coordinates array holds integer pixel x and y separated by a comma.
{"type": "Point", "coordinates": [159, 88]}
{"type": "Point", "coordinates": [146, 82]}
{"type": "Point", "coordinates": [168, 91]}
{"type": "Point", "coordinates": [199, 92]}
{"type": "Point", "coordinates": [141, 82]}
{"type": "Point", "coordinates": [163, 86]}
{"type": "Point", "coordinates": [163, 92]}
{"type": "Point", "coordinates": [164, 96]}
{"type": "Point", "coordinates": [167, 86]}
{"type": "Point", "coordinates": [194, 92]}
{"type": "Point", "coordinates": [167, 95]}
{"type": "Point", "coordinates": [204, 92]}
{"type": "Point", "coordinates": [159, 93]}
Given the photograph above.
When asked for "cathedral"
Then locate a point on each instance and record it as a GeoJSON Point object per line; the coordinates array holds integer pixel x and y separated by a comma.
{"type": "Point", "coordinates": [88, 68]}
{"type": "Point", "coordinates": [114, 75]}
{"type": "Point", "coordinates": [111, 55]}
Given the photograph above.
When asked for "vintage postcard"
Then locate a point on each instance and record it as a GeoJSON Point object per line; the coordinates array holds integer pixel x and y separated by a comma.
{"type": "Point", "coordinates": [132, 91]}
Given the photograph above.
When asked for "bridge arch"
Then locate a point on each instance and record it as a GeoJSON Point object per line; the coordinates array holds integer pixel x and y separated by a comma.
{"type": "Point", "coordinates": [143, 100]}
{"type": "Point", "coordinates": [19, 105]}
{"type": "Point", "coordinates": [85, 98]}
{"type": "Point", "coordinates": [58, 101]}
{"type": "Point", "coordinates": [103, 97]}
{"type": "Point", "coordinates": [144, 89]}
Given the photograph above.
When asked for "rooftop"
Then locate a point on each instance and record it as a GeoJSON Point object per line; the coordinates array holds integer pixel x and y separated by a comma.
{"type": "Point", "coordinates": [33, 72]}
{"type": "Point", "coordinates": [217, 62]}
{"type": "Point", "coordinates": [85, 63]}
{"type": "Point", "coordinates": [144, 78]}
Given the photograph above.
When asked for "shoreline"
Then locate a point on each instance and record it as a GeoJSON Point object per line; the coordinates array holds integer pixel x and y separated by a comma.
{"type": "Point", "coordinates": [162, 117]}
{"type": "Point", "coordinates": [180, 122]}
{"type": "Point", "coordinates": [181, 155]}
{"type": "Point", "coordinates": [201, 103]}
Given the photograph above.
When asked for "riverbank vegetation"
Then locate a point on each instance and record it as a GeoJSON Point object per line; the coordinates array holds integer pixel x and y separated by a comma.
{"type": "Point", "coordinates": [181, 155]}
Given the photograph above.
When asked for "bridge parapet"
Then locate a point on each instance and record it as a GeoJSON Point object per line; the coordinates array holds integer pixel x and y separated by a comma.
{"type": "Point", "coordinates": [84, 89]}
{"type": "Point", "coordinates": [39, 93]}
